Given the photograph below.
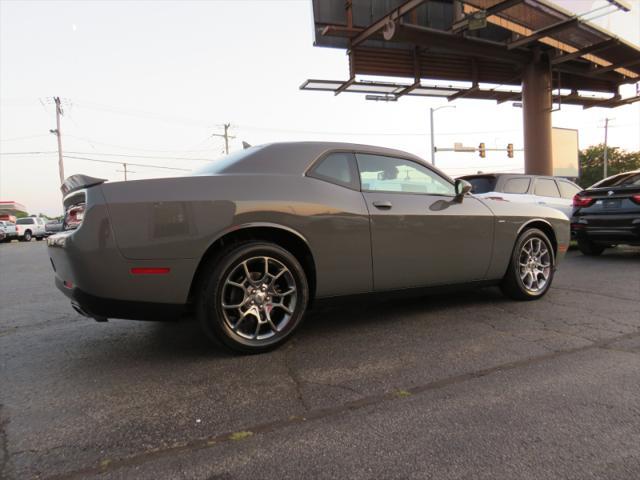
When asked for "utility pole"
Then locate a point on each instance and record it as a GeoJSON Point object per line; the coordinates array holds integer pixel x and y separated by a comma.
{"type": "Point", "coordinates": [58, 134]}
{"type": "Point", "coordinates": [433, 145]}
{"type": "Point", "coordinates": [606, 150]}
{"type": "Point", "coordinates": [226, 137]}
{"type": "Point", "coordinates": [125, 170]}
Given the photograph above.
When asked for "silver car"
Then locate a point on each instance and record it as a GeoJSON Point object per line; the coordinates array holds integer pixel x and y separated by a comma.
{"type": "Point", "coordinates": [554, 192]}
{"type": "Point", "coordinates": [249, 242]}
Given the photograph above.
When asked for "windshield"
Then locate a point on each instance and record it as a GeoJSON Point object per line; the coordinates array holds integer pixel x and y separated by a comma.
{"type": "Point", "coordinates": [629, 179]}
{"type": "Point", "coordinates": [223, 163]}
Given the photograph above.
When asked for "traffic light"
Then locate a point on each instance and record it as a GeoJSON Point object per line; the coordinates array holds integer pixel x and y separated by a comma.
{"type": "Point", "coordinates": [510, 150]}
{"type": "Point", "coordinates": [482, 150]}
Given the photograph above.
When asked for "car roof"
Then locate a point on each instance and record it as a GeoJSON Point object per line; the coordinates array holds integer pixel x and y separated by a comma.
{"type": "Point", "coordinates": [296, 157]}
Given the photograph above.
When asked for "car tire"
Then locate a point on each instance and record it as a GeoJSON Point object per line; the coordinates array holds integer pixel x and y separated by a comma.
{"type": "Point", "coordinates": [236, 300]}
{"type": "Point", "coordinates": [532, 267]}
{"type": "Point", "coordinates": [589, 248]}
{"type": "Point", "coordinates": [39, 238]}
{"type": "Point", "coordinates": [27, 236]}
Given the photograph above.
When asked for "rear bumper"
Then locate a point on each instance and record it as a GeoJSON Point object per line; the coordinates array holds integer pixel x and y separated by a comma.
{"type": "Point", "coordinates": [617, 229]}
{"type": "Point", "coordinates": [102, 309]}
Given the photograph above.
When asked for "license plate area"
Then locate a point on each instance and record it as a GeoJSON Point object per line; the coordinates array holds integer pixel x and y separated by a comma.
{"type": "Point", "coordinates": [611, 203]}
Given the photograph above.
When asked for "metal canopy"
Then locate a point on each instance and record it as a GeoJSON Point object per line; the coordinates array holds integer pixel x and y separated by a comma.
{"type": "Point", "coordinates": [425, 40]}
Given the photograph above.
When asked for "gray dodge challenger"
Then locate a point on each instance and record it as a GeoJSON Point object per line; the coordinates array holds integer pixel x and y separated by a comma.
{"type": "Point", "coordinates": [248, 243]}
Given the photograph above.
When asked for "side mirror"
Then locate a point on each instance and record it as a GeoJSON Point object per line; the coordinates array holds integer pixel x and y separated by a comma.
{"type": "Point", "coordinates": [462, 188]}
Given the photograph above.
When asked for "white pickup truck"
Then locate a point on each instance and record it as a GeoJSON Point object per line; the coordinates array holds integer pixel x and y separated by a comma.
{"type": "Point", "coordinates": [9, 229]}
{"type": "Point", "coordinates": [30, 227]}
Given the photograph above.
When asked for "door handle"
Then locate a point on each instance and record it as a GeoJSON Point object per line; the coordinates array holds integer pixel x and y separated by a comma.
{"type": "Point", "coordinates": [382, 205]}
{"type": "Point", "coordinates": [542, 203]}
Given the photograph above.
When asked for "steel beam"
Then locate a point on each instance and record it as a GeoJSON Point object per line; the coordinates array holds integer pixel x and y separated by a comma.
{"type": "Point", "coordinates": [393, 16]}
{"type": "Point", "coordinates": [463, 93]}
{"type": "Point", "coordinates": [543, 32]}
{"type": "Point", "coordinates": [463, 24]}
{"type": "Point", "coordinates": [615, 66]}
{"type": "Point", "coordinates": [596, 47]}
{"type": "Point", "coordinates": [448, 42]}
{"type": "Point", "coordinates": [344, 86]}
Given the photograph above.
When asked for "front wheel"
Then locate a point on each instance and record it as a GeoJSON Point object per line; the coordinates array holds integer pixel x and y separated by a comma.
{"type": "Point", "coordinates": [532, 267]}
{"type": "Point", "coordinates": [252, 297]}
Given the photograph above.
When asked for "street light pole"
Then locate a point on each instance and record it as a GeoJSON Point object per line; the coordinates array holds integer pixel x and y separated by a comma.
{"type": "Point", "coordinates": [433, 144]}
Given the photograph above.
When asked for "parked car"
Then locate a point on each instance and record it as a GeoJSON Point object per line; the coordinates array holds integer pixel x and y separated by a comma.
{"type": "Point", "coordinates": [251, 241]}
{"type": "Point", "coordinates": [9, 229]}
{"type": "Point", "coordinates": [553, 192]}
{"type": "Point", "coordinates": [53, 226]}
{"type": "Point", "coordinates": [3, 235]}
{"type": "Point", "coordinates": [607, 214]}
{"type": "Point", "coordinates": [30, 227]}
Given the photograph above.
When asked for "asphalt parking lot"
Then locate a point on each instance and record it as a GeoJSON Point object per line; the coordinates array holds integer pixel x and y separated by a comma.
{"type": "Point", "coordinates": [467, 385]}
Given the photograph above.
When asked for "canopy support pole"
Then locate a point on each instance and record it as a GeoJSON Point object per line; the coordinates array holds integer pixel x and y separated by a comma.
{"type": "Point", "coordinates": [537, 104]}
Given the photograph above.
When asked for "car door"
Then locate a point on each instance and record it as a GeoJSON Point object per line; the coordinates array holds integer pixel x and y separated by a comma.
{"type": "Point", "coordinates": [547, 194]}
{"type": "Point", "coordinates": [420, 235]}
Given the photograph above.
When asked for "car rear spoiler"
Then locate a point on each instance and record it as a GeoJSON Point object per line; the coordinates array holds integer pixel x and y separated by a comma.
{"type": "Point", "coordinates": [77, 182]}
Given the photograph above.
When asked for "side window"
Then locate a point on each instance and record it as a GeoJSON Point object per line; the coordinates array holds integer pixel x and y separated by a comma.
{"type": "Point", "coordinates": [545, 187]}
{"type": "Point", "coordinates": [568, 190]}
{"type": "Point", "coordinates": [517, 185]}
{"type": "Point", "coordinates": [388, 174]}
{"type": "Point", "coordinates": [336, 168]}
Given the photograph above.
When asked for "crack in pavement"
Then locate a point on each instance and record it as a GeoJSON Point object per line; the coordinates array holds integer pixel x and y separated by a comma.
{"type": "Point", "coordinates": [4, 445]}
{"type": "Point", "coordinates": [292, 374]}
{"type": "Point", "coordinates": [329, 412]}
{"type": "Point", "coordinates": [589, 292]}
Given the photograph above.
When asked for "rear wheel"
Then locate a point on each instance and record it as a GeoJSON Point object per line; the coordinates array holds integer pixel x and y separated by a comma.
{"type": "Point", "coordinates": [532, 266]}
{"type": "Point", "coordinates": [252, 297]}
{"type": "Point", "coordinates": [27, 236]}
{"type": "Point", "coordinates": [590, 248]}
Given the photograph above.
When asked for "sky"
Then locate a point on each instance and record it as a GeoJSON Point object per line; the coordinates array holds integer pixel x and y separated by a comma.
{"type": "Point", "coordinates": [154, 80]}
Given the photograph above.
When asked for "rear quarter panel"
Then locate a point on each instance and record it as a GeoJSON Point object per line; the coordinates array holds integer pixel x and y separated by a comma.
{"type": "Point", "coordinates": [181, 218]}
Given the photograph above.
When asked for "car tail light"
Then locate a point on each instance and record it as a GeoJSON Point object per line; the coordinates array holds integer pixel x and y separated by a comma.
{"type": "Point", "coordinates": [579, 201]}
{"type": "Point", "coordinates": [636, 198]}
{"type": "Point", "coordinates": [73, 216]}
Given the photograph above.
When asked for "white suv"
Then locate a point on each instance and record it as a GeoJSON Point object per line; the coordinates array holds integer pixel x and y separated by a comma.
{"type": "Point", "coordinates": [29, 227]}
{"type": "Point", "coordinates": [554, 192]}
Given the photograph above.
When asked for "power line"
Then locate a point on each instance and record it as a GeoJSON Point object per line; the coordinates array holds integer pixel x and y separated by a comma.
{"type": "Point", "coordinates": [28, 137]}
{"type": "Point", "coordinates": [120, 163]}
{"type": "Point", "coordinates": [128, 147]}
{"type": "Point", "coordinates": [111, 155]}
{"type": "Point", "coordinates": [28, 153]}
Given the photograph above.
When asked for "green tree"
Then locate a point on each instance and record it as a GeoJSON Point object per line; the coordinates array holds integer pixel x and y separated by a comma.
{"type": "Point", "coordinates": [592, 163]}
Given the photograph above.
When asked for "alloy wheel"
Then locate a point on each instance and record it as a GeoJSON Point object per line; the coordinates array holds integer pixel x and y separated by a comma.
{"type": "Point", "coordinates": [259, 297]}
{"type": "Point", "coordinates": [534, 265]}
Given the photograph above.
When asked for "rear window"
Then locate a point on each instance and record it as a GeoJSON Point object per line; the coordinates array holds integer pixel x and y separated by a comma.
{"type": "Point", "coordinates": [622, 180]}
{"type": "Point", "coordinates": [568, 190]}
{"type": "Point", "coordinates": [546, 187]}
{"type": "Point", "coordinates": [25, 221]}
{"type": "Point", "coordinates": [517, 185]}
{"type": "Point", "coordinates": [336, 168]}
{"type": "Point", "coordinates": [482, 184]}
